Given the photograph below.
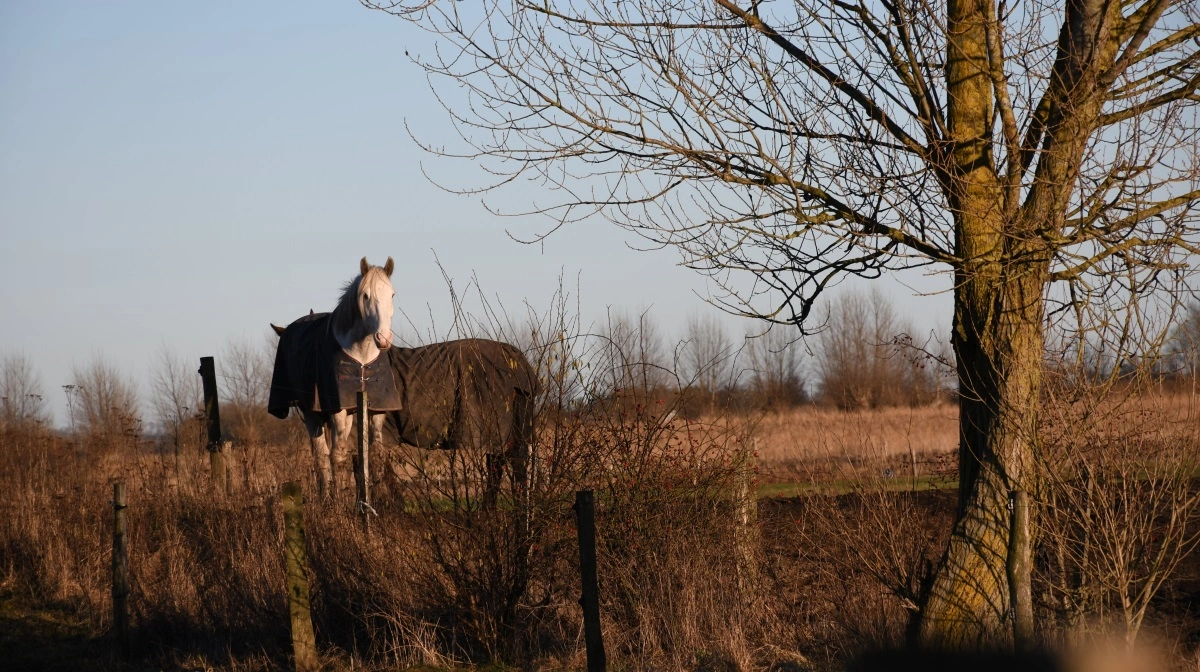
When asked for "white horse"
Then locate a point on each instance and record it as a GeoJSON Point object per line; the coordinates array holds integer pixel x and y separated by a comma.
{"type": "Point", "coordinates": [324, 358]}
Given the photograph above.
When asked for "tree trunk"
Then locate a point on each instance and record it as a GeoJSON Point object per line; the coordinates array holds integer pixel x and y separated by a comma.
{"type": "Point", "coordinates": [999, 361]}
{"type": "Point", "coordinates": [998, 316]}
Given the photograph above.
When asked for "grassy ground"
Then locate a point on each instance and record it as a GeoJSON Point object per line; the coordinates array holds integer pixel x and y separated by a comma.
{"type": "Point", "coordinates": [845, 486]}
{"type": "Point", "coordinates": [40, 636]}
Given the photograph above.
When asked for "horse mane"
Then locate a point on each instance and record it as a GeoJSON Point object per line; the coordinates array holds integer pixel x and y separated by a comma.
{"type": "Point", "coordinates": [347, 313]}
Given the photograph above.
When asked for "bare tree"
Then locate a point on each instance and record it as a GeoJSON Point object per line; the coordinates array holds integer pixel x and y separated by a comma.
{"type": "Point", "coordinates": [856, 368]}
{"type": "Point", "coordinates": [175, 387]}
{"type": "Point", "coordinates": [867, 358]}
{"type": "Point", "coordinates": [1184, 346]}
{"type": "Point", "coordinates": [776, 370]}
{"type": "Point", "coordinates": [633, 356]}
{"type": "Point", "coordinates": [707, 356]}
{"type": "Point", "coordinates": [22, 398]}
{"type": "Point", "coordinates": [104, 404]}
{"type": "Point", "coordinates": [1045, 154]}
{"type": "Point", "coordinates": [245, 376]}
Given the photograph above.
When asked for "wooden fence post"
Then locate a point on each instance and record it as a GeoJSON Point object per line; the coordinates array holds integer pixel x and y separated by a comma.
{"type": "Point", "coordinates": [746, 520]}
{"type": "Point", "coordinates": [120, 572]}
{"type": "Point", "coordinates": [304, 640]}
{"type": "Point", "coordinates": [1019, 581]}
{"type": "Point", "coordinates": [212, 413]}
{"type": "Point", "coordinates": [362, 468]}
{"type": "Point", "coordinates": [585, 520]}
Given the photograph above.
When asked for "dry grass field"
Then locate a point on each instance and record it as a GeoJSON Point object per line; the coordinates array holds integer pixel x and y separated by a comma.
{"type": "Point", "coordinates": [813, 443]}
{"type": "Point", "coordinates": [445, 585]}
{"type": "Point", "coordinates": [809, 442]}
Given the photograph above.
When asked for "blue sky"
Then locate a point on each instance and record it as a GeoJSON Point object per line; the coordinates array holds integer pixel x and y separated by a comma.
{"type": "Point", "coordinates": [186, 173]}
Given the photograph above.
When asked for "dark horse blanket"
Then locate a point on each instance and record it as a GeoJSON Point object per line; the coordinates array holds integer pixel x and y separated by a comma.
{"type": "Point", "coordinates": [465, 393]}
{"type": "Point", "coordinates": [313, 373]}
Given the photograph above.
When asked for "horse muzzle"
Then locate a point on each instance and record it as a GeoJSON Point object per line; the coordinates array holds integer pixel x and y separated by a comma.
{"type": "Point", "coordinates": [383, 342]}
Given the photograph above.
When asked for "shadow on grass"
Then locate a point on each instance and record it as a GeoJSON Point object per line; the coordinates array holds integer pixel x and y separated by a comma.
{"type": "Point", "coordinates": [37, 637]}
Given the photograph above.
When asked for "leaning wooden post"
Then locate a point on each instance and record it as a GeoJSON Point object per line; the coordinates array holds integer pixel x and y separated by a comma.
{"type": "Point", "coordinates": [362, 469]}
{"type": "Point", "coordinates": [585, 520]}
{"type": "Point", "coordinates": [212, 414]}
{"type": "Point", "coordinates": [120, 572]}
{"type": "Point", "coordinates": [304, 641]}
{"type": "Point", "coordinates": [746, 518]}
{"type": "Point", "coordinates": [1019, 582]}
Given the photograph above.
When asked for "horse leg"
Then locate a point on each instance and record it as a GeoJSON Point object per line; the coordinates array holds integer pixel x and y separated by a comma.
{"type": "Point", "coordinates": [315, 424]}
{"type": "Point", "coordinates": [380, 457]}
{"type": "Point", "coordinates": [521, 443]}
{"type": "Point", "coordinates": [494, 465]}
{"type": "Point", "coordinates": [521, 447]}
{"type": "Point", "coordinates": [516, 455]}
{"type": "Point", "coordinates": [377, 420]}
{"type": "Point", "coordinates": [518, 458]}
{"type": "Point", "coordinates": [342, 424]}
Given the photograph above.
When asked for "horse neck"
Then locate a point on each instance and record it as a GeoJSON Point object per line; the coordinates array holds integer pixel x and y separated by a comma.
{"type": "Point", "coordinates": [348, 330]}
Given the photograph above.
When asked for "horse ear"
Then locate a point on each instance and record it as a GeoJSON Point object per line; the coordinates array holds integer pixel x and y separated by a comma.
{"type": "Point", "coordinates": [363, 266]}
{"type": "Point", "coordinates": [278, 330]}
{"type": "Point", "coordinates": [389, 267]}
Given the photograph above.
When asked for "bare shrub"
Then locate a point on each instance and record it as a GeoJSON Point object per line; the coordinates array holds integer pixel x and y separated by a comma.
{"type": "Point", "coordinates": [677, 591]}
{"type": "Point", "coordinates": [1120, 507]}
{"type": "Point", "coordinates": [873, 552]}
{"type": "Point", "coordinates": [22, 397]}
{"type": "Point", "coordinates": [472, 587]}
{"type": "Point", "coordinates": [499, 584]}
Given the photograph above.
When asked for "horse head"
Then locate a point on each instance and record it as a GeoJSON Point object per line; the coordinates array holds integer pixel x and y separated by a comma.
{"type": "Point", "coordinates": [376, 301]}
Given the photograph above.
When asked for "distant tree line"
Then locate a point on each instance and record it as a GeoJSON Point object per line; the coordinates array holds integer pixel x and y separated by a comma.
{"type": "Point", "coordinates": [1183, 350]}
{"type": "Point", "coordinates": [105, 405]}
{"type": "Point", "coordinates": [1109, 355]}
{"type": "Point", "coordinates": [866, 356]}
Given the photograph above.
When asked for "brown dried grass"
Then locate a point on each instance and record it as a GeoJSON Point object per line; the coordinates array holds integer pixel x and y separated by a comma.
{"type": "Point", "coordinates": [440, 583]}
{"type": "Point", "coordinates": [814, 443]}
{"type": "Point", "coordinates": [836, 572]}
